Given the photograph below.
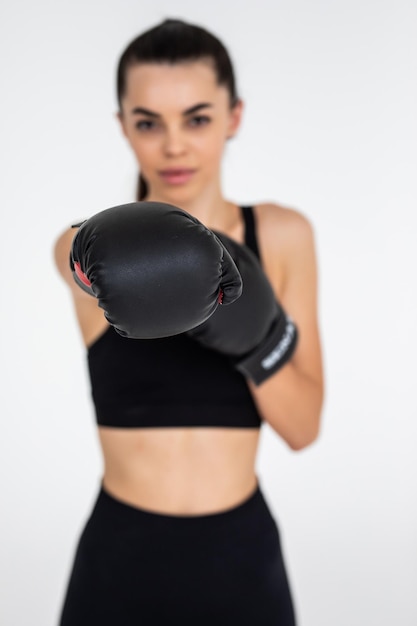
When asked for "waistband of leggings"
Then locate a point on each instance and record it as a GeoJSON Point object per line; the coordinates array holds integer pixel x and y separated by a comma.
{"type": "Point", "coordinates": [252, 511]}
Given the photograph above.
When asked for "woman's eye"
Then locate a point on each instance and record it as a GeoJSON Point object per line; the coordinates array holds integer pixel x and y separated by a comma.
{"type": "Point", "coordinates": [145, 125]}
{"type": "Point", "coordinates": [199, 120]}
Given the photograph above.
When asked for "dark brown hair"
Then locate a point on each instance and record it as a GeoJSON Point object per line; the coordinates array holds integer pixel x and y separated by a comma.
{"type": "Point", "coordinates": [175, 41]}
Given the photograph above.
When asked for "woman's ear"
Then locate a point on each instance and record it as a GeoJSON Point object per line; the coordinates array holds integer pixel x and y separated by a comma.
{"type": "Point", "coordinates": [236, 114]}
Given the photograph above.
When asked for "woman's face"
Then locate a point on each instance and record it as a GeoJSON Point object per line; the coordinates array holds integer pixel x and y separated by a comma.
{"type": "Point", "coordinates": [177, 119]}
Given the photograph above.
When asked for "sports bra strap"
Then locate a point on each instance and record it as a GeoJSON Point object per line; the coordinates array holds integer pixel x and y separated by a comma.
{"type": "Point", "coordinates": [250, 229]}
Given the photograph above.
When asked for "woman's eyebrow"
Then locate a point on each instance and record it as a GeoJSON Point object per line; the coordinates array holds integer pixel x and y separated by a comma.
{"type": "Point", "coordinates": [197, 107]}
{"type": "Point", "coordinates": [149, 113]}
{"type": "Point", "coordinates": [142, 111]}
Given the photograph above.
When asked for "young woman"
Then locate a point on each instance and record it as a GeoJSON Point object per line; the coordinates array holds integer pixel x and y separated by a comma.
{"type": "Point", "coordinates": [181, 532]}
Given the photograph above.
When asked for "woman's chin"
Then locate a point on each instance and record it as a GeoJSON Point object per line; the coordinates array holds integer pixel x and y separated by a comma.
{"type": "Point", "coordinates": [176, 194]}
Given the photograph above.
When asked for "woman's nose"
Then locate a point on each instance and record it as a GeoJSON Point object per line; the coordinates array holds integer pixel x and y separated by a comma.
{"type": "Point", "coordinates": [174, 143]}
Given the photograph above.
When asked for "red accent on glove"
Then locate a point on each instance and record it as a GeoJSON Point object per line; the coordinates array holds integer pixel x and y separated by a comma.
{"type": "Point", "coordinates": [83, 278]}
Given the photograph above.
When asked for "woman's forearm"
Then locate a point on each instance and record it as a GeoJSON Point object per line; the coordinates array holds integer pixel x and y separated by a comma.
{"type": "Point", "coordinates": [291, 402]}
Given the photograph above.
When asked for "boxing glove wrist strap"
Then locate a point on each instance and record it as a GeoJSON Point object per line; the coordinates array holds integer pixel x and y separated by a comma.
{"type": "Point", "coordinates": [274, 352]}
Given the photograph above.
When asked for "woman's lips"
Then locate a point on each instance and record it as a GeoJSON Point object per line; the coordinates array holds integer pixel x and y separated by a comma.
{"type": "Point", "coordinates": [176, 176]}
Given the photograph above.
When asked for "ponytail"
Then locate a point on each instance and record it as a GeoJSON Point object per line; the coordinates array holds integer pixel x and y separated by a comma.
{"type": "Point", "coordinates": [142, 188]}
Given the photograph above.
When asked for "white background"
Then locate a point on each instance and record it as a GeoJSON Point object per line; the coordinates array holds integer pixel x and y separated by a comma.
{"type": "Point", "coordinates": [330, 129]}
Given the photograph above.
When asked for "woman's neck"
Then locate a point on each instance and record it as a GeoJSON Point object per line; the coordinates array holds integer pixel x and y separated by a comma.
{"type": "Point", "coordinates": [210, 207]}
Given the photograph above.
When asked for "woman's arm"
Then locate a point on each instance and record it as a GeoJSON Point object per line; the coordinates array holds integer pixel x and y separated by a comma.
{"type": "Point", "coordinates": [62, 249]}
{"type": "Point", "coordinates": [291, 400]}
{"type": "Point", "coordinates": [90, 317]}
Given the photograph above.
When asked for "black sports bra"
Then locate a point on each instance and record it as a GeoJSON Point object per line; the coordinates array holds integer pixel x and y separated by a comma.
{"type": "Point", "coordinates": [173, 381]}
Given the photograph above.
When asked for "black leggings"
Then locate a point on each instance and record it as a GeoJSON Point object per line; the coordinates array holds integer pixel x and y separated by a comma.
{"type": "Point", "coordinates": [134, 567]}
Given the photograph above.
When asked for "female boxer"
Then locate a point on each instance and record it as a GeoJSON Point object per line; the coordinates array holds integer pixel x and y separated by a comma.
{"type": "Point", "coordinates": [180, 531]}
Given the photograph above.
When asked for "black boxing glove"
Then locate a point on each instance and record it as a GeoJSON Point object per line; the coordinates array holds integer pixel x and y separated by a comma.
{"type": "Point", "coordinates": [155, 270]}
{"type": "Point", "coordinates": [254, 331]}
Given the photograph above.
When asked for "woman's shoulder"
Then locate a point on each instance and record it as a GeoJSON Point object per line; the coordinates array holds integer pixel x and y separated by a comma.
{"type": "Point", "coordinates": [286, 242]}
{"type": "Point", "coordinates": [61, 248]}
{"type": "Point", "coordinates": [90, 317]}
{"type": "Point", "coordinates": [281, 218]}
{"type": "Point", "coordinates": [283, 229]}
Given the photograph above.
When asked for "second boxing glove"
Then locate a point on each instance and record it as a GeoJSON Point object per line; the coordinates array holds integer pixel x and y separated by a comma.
{"type": "Point", "coordinates": [155, 270]}
{"type": "Point", "coordinates": [254, 331]}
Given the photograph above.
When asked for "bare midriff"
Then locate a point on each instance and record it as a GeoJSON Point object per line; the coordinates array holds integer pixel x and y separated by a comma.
{"type": "Point", "coordinates": [180, 471]}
